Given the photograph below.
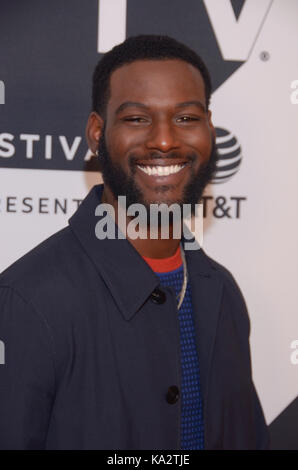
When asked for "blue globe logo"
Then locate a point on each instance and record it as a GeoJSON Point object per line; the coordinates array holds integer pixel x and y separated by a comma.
{"type": "Point", "coordinates": [229, 156]}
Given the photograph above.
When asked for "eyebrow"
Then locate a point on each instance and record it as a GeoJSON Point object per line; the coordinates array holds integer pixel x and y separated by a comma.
{"type": "Point", "coordinates": [135, 104]}
{"type": "Point", "coordinates": [128, 104]}
{"type": "Point", "coordinates": [197, 103]}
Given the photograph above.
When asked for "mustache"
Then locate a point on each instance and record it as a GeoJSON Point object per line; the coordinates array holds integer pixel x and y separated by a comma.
{"type": "Point", "coordinates": [133, 159]}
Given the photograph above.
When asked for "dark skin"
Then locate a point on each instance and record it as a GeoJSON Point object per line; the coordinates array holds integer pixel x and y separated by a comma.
{"type": "Point", "coordinates": [155, 107]}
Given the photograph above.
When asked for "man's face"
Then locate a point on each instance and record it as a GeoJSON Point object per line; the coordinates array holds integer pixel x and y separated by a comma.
{"type": "Point", "coordinates": [158, 142]}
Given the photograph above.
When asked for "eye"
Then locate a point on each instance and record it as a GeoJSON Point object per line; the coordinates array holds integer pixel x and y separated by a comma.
{"type": "Point", "coordinates": [135, 119]}
{"type": "Point", "coordinates": [188, 118]}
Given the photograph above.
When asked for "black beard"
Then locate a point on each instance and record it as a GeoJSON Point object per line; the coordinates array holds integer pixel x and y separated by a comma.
{"type": "Point", "coordinates": [121, 184]}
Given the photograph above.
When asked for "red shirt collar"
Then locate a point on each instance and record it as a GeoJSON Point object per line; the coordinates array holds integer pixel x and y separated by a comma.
{"type": "Point", "coordinates": [163, 265]}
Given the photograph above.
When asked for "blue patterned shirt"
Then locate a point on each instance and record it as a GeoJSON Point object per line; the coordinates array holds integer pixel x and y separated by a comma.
{"type": "Point", "coordinates": [192, 425]}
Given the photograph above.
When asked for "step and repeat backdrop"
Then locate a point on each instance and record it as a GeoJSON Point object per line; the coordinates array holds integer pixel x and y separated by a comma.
{"type": "Point", "coordinates": [48, 51]}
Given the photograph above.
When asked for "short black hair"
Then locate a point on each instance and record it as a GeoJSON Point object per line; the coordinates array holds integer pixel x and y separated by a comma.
{"type": "Point", "coordinates": [142, 47]}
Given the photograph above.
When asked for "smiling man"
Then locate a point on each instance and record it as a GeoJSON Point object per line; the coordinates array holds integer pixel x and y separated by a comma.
{"type": "Point", "coordinates": [161, 139]}
{"type": "Point", "coordinates": [131, 343]}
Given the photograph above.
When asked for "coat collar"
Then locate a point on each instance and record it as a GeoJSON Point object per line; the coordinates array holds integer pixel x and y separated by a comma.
{"type": "Point", "coordinates": [121, 266]}
{"type": "Point", "coordinates": [128, 277]}
{"type": "Point", "coordinates": [131, 281]}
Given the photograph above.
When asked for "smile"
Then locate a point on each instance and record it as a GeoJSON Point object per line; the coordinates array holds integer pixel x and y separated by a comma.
{"type": "Point", "coordinates": [161, 170]}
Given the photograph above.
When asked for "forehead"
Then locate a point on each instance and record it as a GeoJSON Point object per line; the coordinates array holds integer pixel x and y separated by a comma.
{"type": "Point", "coordinates": [156, 83]}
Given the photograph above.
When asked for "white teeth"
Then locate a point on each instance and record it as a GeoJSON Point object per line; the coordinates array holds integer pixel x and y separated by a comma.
{"type": "Point", "coordinates": [161, 170]}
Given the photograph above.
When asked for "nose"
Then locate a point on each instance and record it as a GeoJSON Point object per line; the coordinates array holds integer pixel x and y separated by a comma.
{"type": "Point", "coordinates": [162, 137]}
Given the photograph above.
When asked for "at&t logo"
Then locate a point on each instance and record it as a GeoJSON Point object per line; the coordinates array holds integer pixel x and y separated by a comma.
{"type": "Point", "coordinates": [230, 155]}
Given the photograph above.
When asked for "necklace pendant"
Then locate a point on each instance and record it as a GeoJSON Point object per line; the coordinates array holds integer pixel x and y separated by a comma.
{"type": "Point", "coordinates": [185, 278]}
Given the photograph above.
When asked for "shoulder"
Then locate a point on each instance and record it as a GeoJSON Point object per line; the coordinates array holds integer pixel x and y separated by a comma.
{"type": "Point", "coordinates": [42, 290]}
{"type": "Point", "coordinates": [41, 265]}
{"type": "Point", "coordinates": [232, 297]}
{"type": "Point", "coordinates": [223, 273]}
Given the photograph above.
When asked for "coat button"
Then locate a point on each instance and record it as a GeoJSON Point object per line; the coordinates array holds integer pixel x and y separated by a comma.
{"type": "Point", "coordinates": [158, 296]}
{"type": "Point", "coordinates": [172, 395]}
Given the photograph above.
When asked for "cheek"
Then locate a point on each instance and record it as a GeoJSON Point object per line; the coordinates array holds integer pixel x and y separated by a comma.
{"type": "Point", "coordinates": [120, 144]}
{"type": "Point", "coordinates": [116, 147]}
{"type": "Point", "coordinates": [206, 148]}
{"type": "Point", "coordinates": [201, 142]}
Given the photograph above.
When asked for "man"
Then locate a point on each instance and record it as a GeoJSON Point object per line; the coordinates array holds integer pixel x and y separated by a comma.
{"type": "Point", "coordinates": [124, 342]}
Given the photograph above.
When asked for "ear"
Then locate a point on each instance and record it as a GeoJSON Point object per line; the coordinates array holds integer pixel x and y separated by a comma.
{"type": "Point", "coordinates": [94, 129]}
{"type": "Point", "coordinates": [212, 128]}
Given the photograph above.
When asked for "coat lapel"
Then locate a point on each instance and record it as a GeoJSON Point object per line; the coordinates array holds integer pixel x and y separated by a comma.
{"type": "Point", "coordinates": [128, 277]}
{"type": "Point", "coordinates": [206, 288]}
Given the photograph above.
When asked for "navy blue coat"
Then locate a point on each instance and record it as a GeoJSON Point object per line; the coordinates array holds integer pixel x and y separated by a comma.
{"type": "Point", "coordinates": [89, 357]}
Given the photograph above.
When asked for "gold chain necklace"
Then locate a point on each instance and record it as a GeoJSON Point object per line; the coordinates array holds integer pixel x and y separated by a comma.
{"type": "Point", "coordinates": [181, 294]}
